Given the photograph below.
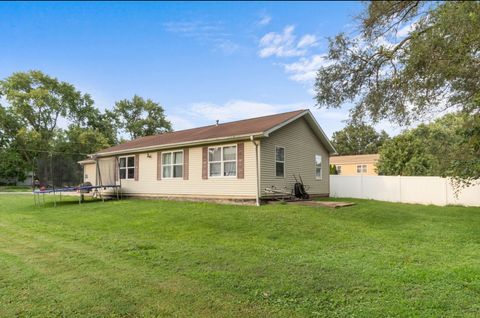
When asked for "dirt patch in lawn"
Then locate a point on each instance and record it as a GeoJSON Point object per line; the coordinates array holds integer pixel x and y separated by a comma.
{"type": "Point", "coordinates": [328, 204]}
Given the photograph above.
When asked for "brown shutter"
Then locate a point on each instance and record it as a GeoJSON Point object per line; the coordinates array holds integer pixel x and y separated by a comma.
{"type": "Point", "coordinates": [240, 160]}
{"type": "Point", "coordinates": [185, 164]}
{"type": "Point", "coordinates": [136, 166]}
{"type": "Point", "coordinates": [205, 163]}
{"type": "Point", "coordinates": [159, 165]}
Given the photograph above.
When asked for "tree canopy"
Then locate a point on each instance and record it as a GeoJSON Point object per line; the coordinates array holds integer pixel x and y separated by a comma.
{"type": "Point", "coordinates": [45, 122]}
{"type": "Point", "coordinates": [427, 150]}
{"type": "Point", "coordinates": [409, 61]}
{"type": "Point", "coordinates": [35, 103]}
{"type": "Point", "coordinates": [358, 139]}
{"type": "Point", "coordinates": [139, 117]}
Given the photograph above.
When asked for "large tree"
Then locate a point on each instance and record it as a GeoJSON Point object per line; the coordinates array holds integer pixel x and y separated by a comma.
{"type": "Point", "coordinates": [139, 117]}
{"type": "Point", "coordinates": [34, 105]}
{"type": "Point", "coordinates": [358, 139]}
{"type": "Point", "coordinates": [409, 60]}
{"type": "Point", "coordinates": [427, 150]}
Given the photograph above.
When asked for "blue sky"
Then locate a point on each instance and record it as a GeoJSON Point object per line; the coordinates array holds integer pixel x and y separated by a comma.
{"type": "Point", "coordinates": [200, 61]}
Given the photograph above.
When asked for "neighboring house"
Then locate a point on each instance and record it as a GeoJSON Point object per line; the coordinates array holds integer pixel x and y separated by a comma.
{"type": "Point", "coordinates": [27, 182]}
{"type": "Point", "coordinates": [355, 165]}
{"type": "Point", "coordinates": [235, 160]}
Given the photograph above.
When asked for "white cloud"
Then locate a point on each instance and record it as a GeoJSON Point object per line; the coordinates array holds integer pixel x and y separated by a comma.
{"type": "Point", "coordinates": [307, 40]}
{"type": "Point", "coordinates": [264, 20]}
{"type": "Point", "coordinates": [305, 69]}
{"type": "Point", "coordinates": [406, 29]}
{"type": "Point", "coordinates": [213, 34]}
{"type": "Point", "coordinates": [193, 28]}
{"type": "Point", "coordinates": [285, 44]}
{"type": "Point", "coordinates": [226, 46]}
{"type": "Point", "coordinates": [205, 113]}
{"type": "Point", "coordinates": [238, 109]}
{"type": "Point", "coordinates": [180, 122]}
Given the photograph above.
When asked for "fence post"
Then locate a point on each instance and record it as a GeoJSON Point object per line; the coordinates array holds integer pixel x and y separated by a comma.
{"type": "Point", "coordinates": [399, 188]}
{"type": "Point", "coordinates": [361, 186]}
{"type": "Point", "coordinates": [446, 191]}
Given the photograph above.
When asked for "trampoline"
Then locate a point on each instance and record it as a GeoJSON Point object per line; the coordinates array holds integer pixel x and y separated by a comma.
{"type": "Point", "coordinates": [106, 179]}
{"type": "Point", "coordinates": [39, 195]}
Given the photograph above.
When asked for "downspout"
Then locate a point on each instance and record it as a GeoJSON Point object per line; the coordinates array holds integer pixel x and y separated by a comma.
{"type": "Point", "coordinates": [257, 196]}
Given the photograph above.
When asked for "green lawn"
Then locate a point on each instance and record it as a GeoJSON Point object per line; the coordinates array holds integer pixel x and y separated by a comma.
{"type": "Point", "coordinates": [158, 258]}
{"type": "Point", "coordinates": [15, 189]}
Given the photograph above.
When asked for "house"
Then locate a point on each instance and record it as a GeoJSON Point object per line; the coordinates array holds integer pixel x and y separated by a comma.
{"type": "Point", "coordinates": [355, 165]}
{"type": "Point", "coordinates": [15, 181]}
{"type": "Point", "coordinates": [235, 160]}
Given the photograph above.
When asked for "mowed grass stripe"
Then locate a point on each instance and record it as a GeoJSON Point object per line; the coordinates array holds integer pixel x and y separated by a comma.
{"type": "Point", "coordinates": [161, 258]}
{"type": "Point", "coordinates": [98, 281]}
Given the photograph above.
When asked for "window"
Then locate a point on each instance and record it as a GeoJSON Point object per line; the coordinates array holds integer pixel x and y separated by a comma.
{"type": "Point", "coordinates": [127, 167]}
{"type": "Point", "coordinates": [339, 169]}
{"type": "Point", "coordinates": [222, 161]}
{"type": "Point", "coordinates": [172, 164]}
{"type": "Point", "coordinates": [361, 168]}
{"type": "Point", "coordinates": [318, 167]}
{"type": "Point", "coordinates": [280, 162]}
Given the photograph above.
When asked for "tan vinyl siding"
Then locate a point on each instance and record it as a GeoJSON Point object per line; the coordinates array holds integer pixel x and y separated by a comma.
{"type": "Point", "coordinates": [350, 169]}
{"type": "Point", "coordinates": [148, 184]}
{"type": "Point", "coordinates": [349, 164]}
{"type": "Point", "coordinates": [89, 173]}
{"type": "Point", "coordinates": [301, 145]}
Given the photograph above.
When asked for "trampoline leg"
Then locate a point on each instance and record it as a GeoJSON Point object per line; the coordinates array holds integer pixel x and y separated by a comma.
{"type": "Point", "coordinates": [54, 200]}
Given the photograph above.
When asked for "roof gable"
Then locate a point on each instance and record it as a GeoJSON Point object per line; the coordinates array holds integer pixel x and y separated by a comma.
{"type": "Point", "coordinates": [312, 122]}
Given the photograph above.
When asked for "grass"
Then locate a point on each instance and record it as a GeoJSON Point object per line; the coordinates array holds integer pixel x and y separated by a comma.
{"type": "Point", "coordinates": [160, 258]}
{"type": "Point", "coordinates": [15, 188]}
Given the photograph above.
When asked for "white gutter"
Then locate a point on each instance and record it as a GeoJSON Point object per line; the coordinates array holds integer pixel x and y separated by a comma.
{"type": "Point", "coordinates": [175, 145]}
{"type": "Point", "coordinates": [257, 196]}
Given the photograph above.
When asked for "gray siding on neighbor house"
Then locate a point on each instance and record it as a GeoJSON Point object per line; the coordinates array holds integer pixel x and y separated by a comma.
{"type": "Point", "coordinates": [301, 146]}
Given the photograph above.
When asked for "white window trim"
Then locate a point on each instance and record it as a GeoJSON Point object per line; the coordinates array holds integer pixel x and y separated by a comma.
{"type": "Point", "coordinates": [361, 168]}
{"type": "Point", "coordinates": [172, 164]}
{"type": "Point", "coordinates": [127, 167]}
{"type": "Point", "coordinates": [284, 161]}
{"type": "Point", "coordinates": [222, 161]}
{"type": "Point", "coordinates": [321, 167]}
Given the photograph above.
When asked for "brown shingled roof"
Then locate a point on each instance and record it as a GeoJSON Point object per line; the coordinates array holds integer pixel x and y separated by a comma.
{"type": "Point", "coordinates": [226, 130]}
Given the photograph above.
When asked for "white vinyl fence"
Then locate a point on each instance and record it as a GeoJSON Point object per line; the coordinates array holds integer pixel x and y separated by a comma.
{"type": "Point", "coordinates": [423, 190]}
